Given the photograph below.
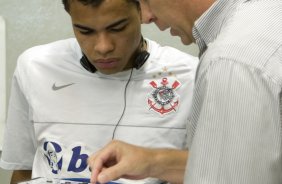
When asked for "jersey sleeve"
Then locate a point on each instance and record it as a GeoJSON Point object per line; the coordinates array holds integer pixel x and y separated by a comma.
{"type": "Point", "coordinates": [19, 144]}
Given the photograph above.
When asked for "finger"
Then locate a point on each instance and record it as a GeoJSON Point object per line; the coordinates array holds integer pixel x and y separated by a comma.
{"type": "Point", "coordinates": [94, 175]}
{"type": "Point", "coordinates": [98, 161]}
{"type": "Point", "coordinates": [95, 165]}
{"type": "Point", "coordinates": [92, 168]}
{"type": "Point", "coordinates": [112, 173]}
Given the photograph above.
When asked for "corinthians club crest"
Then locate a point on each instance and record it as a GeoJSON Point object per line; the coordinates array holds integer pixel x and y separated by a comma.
{"type": "Point", "coordinates": [163, 99]}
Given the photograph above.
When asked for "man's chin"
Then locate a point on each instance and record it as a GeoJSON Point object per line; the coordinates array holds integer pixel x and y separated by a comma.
{"type": "Point", "coordinates": [185, 40]}
{"type": "Point", "coordinates": [108, 72]}
{"type": "Point", "coordinates": [173, 32]}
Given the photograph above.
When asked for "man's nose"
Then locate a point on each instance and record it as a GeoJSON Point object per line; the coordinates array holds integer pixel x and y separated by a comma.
{"type": "Point", "coordinates": [147, 15]}
{"type": "Point", "coordinates": [104, 44]}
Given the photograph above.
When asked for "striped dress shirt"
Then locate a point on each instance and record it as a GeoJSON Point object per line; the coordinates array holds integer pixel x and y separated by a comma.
{"type": "Point", "coordinates": [235, 127]}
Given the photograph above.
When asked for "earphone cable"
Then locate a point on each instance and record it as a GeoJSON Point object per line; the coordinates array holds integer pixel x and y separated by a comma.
{"type": "Point", "coordinates": [124, 107]}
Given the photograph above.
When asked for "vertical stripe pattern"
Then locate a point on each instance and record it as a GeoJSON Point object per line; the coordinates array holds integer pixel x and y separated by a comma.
{"type": "Point", "coordinates": [235, 127]}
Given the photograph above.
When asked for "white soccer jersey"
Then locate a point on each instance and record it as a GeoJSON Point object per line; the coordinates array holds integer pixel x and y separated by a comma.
{"type": "Point", "coordinates": [60, 113]}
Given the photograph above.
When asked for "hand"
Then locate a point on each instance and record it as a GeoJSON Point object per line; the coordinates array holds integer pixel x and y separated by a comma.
{"type": "Point", "coordinates": [119, 159]}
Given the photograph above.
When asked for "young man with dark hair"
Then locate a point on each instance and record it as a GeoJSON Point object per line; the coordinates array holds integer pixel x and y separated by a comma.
{"type": "Point", "coordinates": [71, 97]}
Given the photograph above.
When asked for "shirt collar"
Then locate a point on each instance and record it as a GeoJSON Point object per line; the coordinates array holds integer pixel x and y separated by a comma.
{"type": "Point", "coordinates": [208, 26]}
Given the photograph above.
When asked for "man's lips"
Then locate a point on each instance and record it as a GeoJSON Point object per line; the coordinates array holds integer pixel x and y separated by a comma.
{"type": "Point", "coordinates": [106, 63]}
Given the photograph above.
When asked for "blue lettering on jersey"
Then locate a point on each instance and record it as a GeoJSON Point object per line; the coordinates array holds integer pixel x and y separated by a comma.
{"type": "Point", "coordinates": [51, 150]}
{"type": "Point", "coordinates": [78, 162]}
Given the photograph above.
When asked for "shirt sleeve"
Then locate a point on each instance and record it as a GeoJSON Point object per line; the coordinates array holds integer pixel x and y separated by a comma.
{"type": "Point", "coordinates": [19, 145]}
{"type": "Point", "coordinates": [235, 126]}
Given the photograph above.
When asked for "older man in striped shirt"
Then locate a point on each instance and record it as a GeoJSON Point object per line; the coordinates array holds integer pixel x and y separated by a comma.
{"type": "Point", "coordinates": [235, 127]}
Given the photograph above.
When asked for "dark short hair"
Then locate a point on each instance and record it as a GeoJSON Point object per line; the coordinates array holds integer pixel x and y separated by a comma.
{"type": "Point", "coordinates": [93, 3]}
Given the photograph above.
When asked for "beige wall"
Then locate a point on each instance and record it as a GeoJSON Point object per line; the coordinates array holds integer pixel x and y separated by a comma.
{"type": "Point", "coordinates": [34, 22]}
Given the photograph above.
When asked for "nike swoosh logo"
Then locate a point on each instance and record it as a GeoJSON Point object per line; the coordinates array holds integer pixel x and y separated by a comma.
{"type": "Point", "coordinates": [55, 88]}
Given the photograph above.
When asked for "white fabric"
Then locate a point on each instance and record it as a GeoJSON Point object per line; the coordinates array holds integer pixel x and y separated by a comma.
{"type": "Point", "coordinates": [68, 124]}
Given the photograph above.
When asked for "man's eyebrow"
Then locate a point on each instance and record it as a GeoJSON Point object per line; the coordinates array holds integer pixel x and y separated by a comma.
{"type": "Point", "coordinates": [117, 23]}
{"type": "Point", "coordinates": [108, 27]}
{"type": "Point", "coordinates": [82, 27]}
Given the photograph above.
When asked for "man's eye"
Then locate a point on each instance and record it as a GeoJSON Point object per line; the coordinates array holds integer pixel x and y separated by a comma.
{"type": "Point", "coordinates": [118, 29]}
{"type": "Point", "coordinates": [85, 32]}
